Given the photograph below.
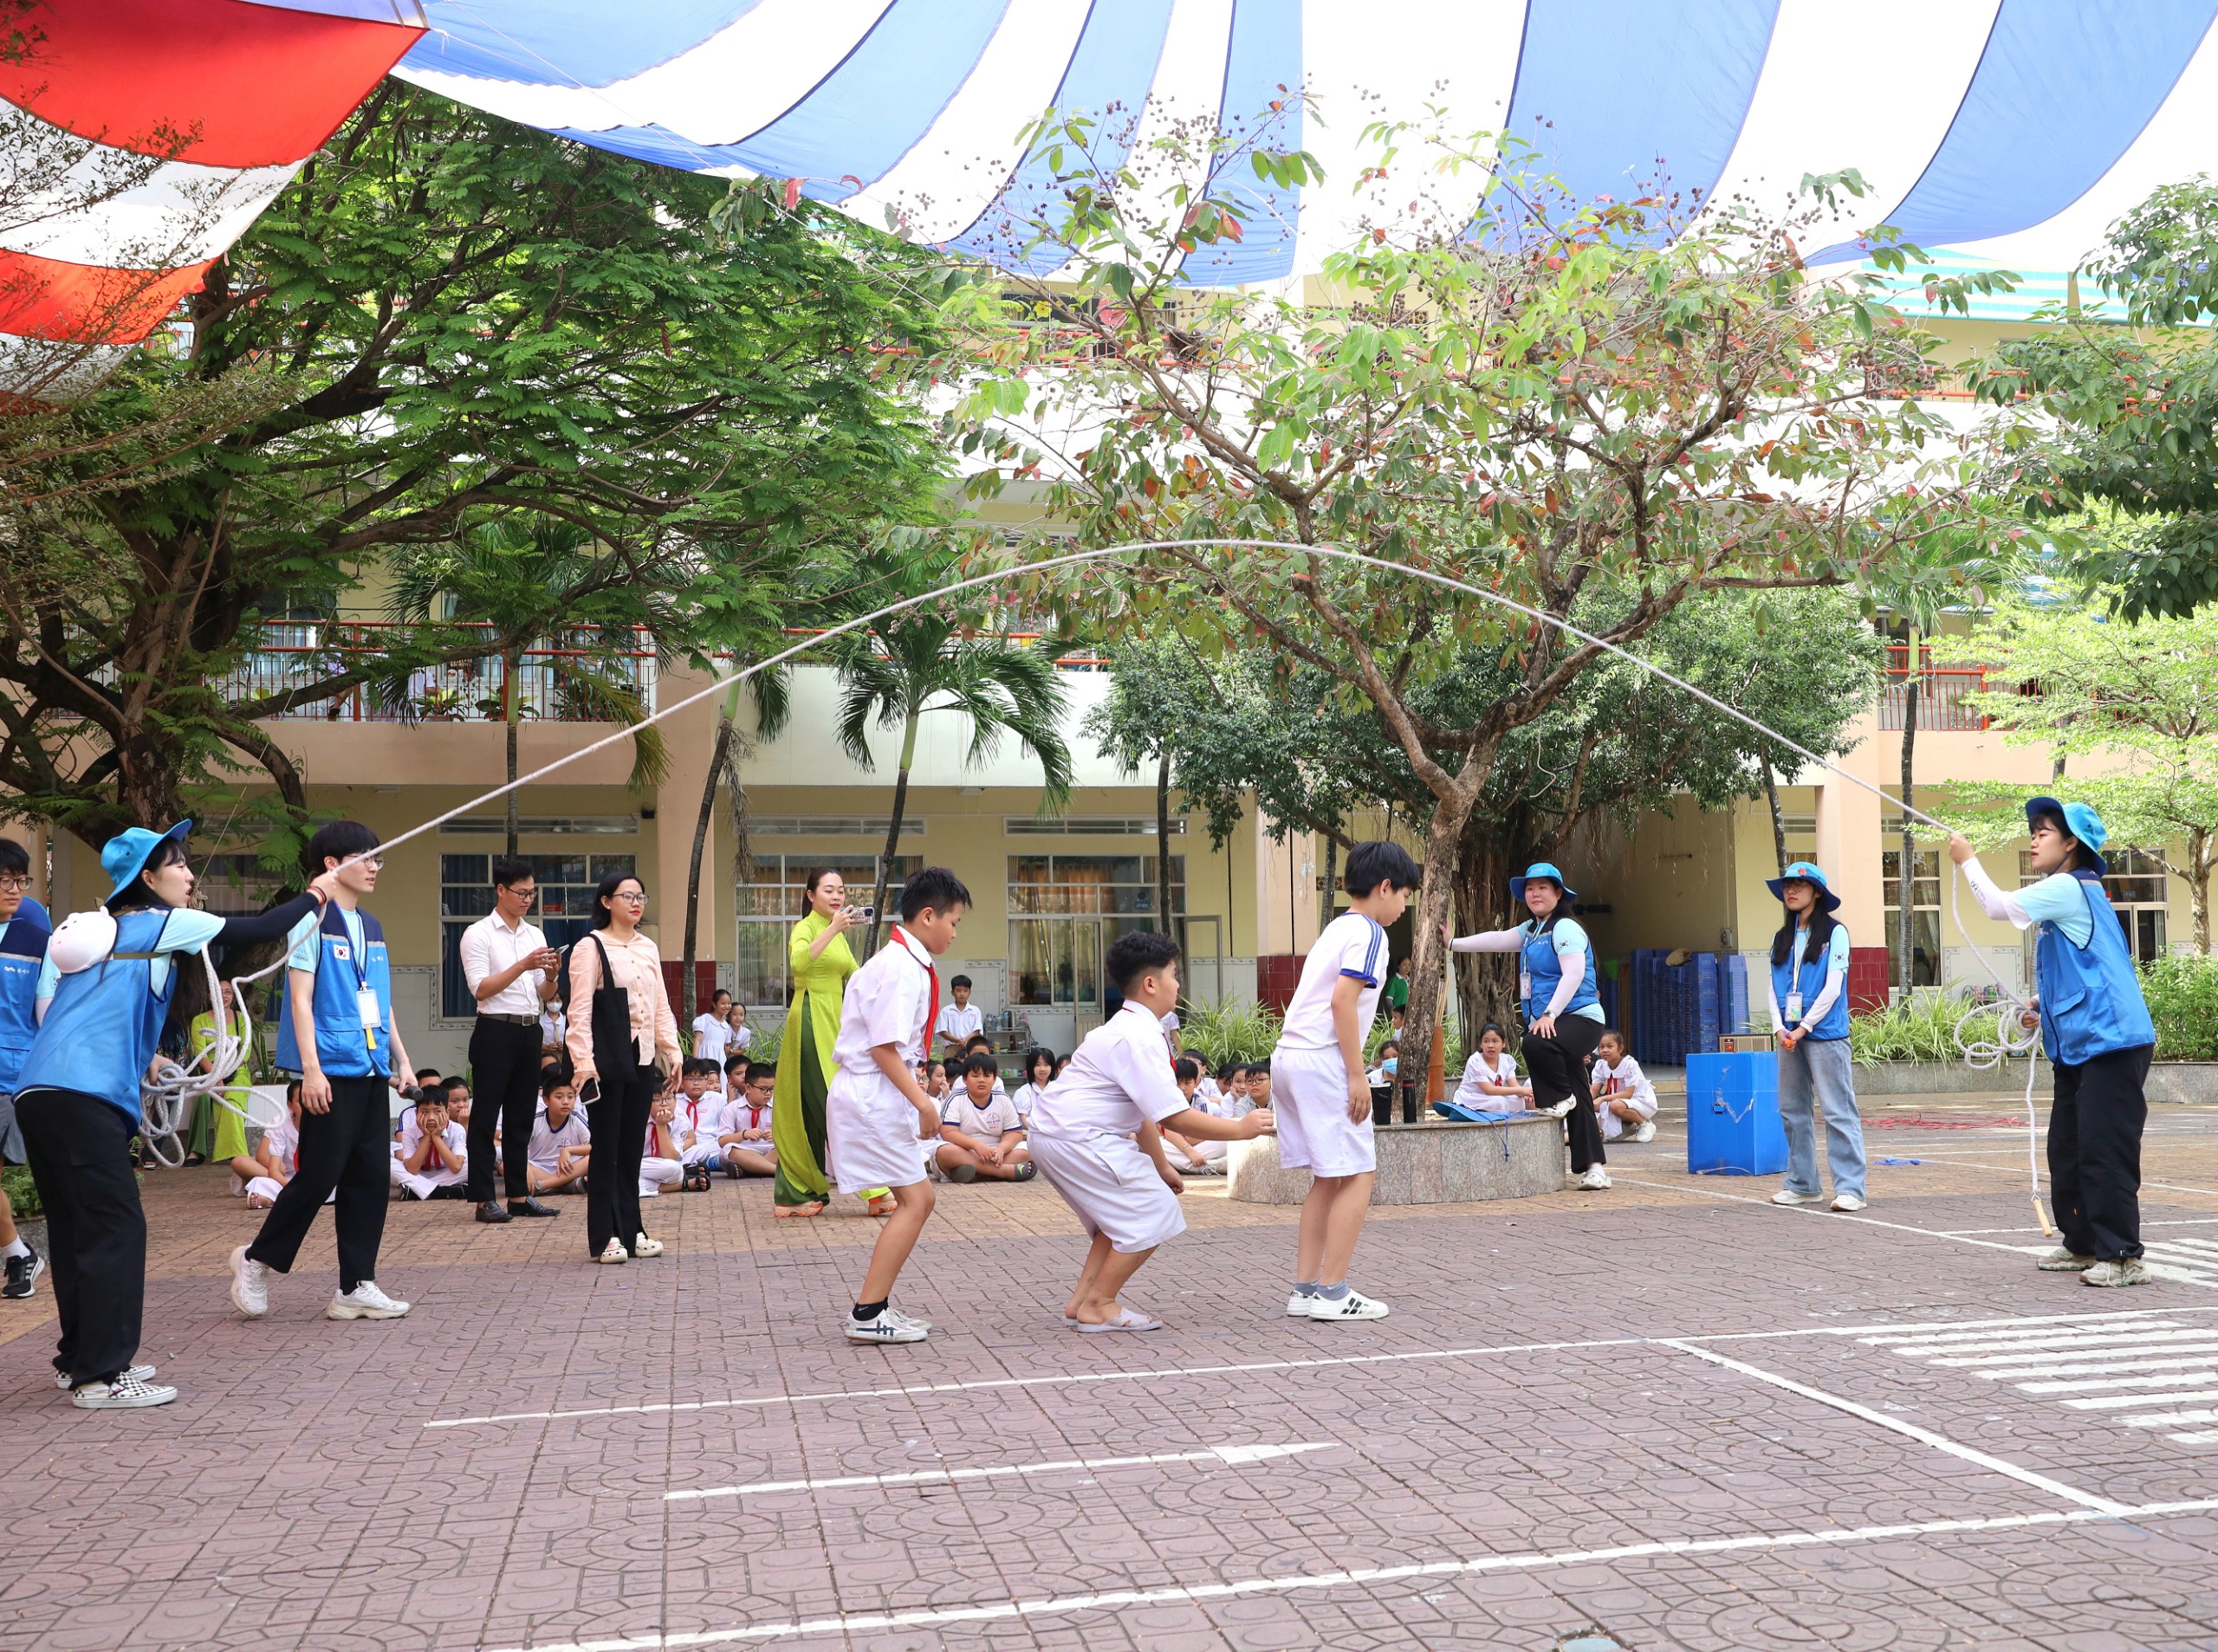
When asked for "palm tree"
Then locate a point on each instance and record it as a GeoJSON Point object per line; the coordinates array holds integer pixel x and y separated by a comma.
{"type": "Point", "coordinates": [922, 660]}
{"type": "Point", "coordinates": [532, 581]}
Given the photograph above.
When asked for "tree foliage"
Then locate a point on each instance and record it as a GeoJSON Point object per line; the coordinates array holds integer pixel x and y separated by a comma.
{"type": "Point", "coordinates": [2132, 706]}
{"type": "Point", "coordinates": [1563, 403]}
{"type": "Point", "coordinates": [454, 319]}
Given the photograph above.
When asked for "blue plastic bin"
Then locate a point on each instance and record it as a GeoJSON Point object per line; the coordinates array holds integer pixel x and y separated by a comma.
{"type": "Point", "coordinates": [1733, 1126]}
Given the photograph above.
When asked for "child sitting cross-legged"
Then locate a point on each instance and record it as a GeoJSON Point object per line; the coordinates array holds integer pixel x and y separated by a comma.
{"type": "Point", "coordinates": [697, 1116]}
{"type": "Point", "coordinates": [660, 1165]}
{"type": "Point", "coordinates": [1202, 1156]}
{"type": "Point", "coordinates": [743, 1133]}
{"type": "Point", "coordinates": [260, 1176]}
{"type": "Point", "coordinates": [1625, 1101]}
{"type": "Point", "coordinates": [561, 1146]}
{"type": "Point", "coordinates": [980, 1133]}
{"type": "Point", "coordinates": [431, 1161]}
{"type": "Point", "coordinates": [1490, 1081]}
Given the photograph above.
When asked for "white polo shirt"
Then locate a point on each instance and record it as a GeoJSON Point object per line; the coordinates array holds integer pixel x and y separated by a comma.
{"type": "Point", "coordinates": [1351, 945]}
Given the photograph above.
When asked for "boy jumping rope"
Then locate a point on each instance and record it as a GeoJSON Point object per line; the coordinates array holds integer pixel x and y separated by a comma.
{"type": "Point", "coordinates": [1324, 1106]}
{"type": "Point", "coordinates": [1119, 1086]}
{"type": "Point", "coordinates": [877, 1117]}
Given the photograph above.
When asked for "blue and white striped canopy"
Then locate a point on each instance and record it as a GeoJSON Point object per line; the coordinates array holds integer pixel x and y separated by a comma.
{"type": "Point", "coordinates": [2011, 132]}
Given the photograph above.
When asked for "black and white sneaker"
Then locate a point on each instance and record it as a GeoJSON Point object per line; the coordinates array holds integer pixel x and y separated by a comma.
{"type": "Point", "coordinates": [24, 1271]}
{"type": "Point", "coordinates": [138, 1373]}
{"type": "Point", "coordinates": [125, 1393]}
{"type": "Point", "coordinates": [888, 1327]}
{"type": "Point", "coordinates": [1352, 1306]}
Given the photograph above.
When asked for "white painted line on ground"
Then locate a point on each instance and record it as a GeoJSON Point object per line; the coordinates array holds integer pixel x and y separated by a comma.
{"type": "Point", "coordinates": [1367, 1577]}
{"type": "Point", "coordinates": [2057, 1326]}
{"type": "Point", "coordinates": [1821, 1214]}
{"type": "Point", "coordinates": [1236, 1456]}
{"type": "Point", "coordinates": [1947, 1155]}
{"type": "Point", "coordinates": [2010, 1374]}
{"type": "Point", "coordinates": [2202, 1346]}
{"type": "Point", "coordinates": [1911, 1430]}
{"type": "Point", "coordinates": [2170, 1418]}
{"type": "Point", "coordinates": [2105, 1347]}
{"type": "Point", "coordinates": [2120, 1401]}
{"type": "Point", "coordinates": [2199, 1437]}
{"type": "Point", "coordinates": [2176, 1379]}
{"type": "Point", "coordinates": [1057, 1379]}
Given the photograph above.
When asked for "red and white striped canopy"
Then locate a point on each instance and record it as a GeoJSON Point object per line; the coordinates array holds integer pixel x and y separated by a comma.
{"type": "Point", "coordinates": [149, 134]}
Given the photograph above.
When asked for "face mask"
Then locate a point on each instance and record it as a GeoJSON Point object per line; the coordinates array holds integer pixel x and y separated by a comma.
{"type": "Point", "coordinates": [1390, 1064]}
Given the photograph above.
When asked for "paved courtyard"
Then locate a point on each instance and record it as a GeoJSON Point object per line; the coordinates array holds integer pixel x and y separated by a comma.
{"type": "Point", "coordinates": [1671, 1413]}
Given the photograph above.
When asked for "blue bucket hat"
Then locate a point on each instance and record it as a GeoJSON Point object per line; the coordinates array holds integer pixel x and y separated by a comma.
{"type": "Point", "coordinates": [125, 855]}
{"type": "Point", "coordinates": [2079, 821]}
{"type": "Point", "coordinates": [1808, 872]}
{"type": "Point", "coordinates": [1540, 869]}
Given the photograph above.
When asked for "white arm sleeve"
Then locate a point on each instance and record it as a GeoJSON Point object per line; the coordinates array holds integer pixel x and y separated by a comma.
{"type": "Point", "coordinates": [1996, 902]}
{"type": "Point", "coordinates": [1778, 1021]}
{"type": "Point", "coordinates": [1815, 1011]}
{"type": "Point", "coordinates": [1568, 983]}
{"type": "Point", "coordinates": [1491, 941]}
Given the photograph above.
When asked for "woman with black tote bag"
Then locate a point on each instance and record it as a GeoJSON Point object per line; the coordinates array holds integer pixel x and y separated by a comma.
{"type": "Point", "coordinates": [623, 1052]}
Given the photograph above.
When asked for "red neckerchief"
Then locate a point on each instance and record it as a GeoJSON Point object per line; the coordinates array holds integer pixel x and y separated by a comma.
{"type": "Point", "coordinates": [910, 945]}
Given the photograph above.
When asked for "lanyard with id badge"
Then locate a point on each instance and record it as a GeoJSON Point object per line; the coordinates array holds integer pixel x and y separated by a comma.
{"type": "Point", "coordinates": [366, 1008]}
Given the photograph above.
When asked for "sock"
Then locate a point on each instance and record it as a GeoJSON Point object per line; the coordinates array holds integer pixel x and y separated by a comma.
{"type": "Point", "coordinates": [1333, 1292]}
{"type": "Point", "coordinates": [1305, 1287]}
{"type": "Point", "coordinates": [17, 1248]}
{"type": "Point", "coordinates": [867, 1311]}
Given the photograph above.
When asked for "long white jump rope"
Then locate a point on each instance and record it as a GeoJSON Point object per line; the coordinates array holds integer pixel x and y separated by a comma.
{"type": "Point", "coordinates": [165, 1098]}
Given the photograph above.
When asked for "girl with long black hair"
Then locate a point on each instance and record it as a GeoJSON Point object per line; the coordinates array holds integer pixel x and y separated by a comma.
{"type": "Point", "coordinates": [1809, 1017]}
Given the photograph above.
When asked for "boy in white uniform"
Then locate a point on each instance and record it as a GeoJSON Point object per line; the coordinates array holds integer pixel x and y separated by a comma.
{"type": "Point", "coordinates": [744, 1133]}
{"type": "Point", "coordinates": [699, 1116]}
{"type": "Point", "coordinates": [876, 1117]}
{"type": "Point", "coordinates": [562, 1144]}
{"type": "Point", "coordinates": [958, 1023]}
{"type": "Point", "coordinates": [1324, 1099]}
{"type": "Point", "coordinates": [1199, 1157]}
{"type": "Point", "coordinates": [1097, 1134]}
{"type": "Point", "coordinates": [981, 1132]}
{"type": "Point", "coordinates": [1624, 1099]}
{"type": "Point", "coordinates": [659, 1167]}
{"type": "Point", "coordinates": [432, 1159]}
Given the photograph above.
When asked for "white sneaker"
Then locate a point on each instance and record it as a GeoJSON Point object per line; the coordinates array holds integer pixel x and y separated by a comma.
{"type": "Point", "coordinates": [887, 1327]}
{"type": "Point", "coordinates": [2126, 1271]}
{"type": "Point", "coordinates": [906, 1318]}
{"type": "Point", "coordinates": [642, 1246]}
{"type": "Point", "coordinates": [2063, 1260]}
{"type": "Point", "coordinates": [613, 1252]}
{"type": "Point", "coordinates": [1353, 1305]}
{"type": "Point", "coordinates": [1597, 1180]}
{"type": "Point", "coordinates": [1848, 1202]}
{"type": "Point", "coordinates": [1561, 1110]}
{"type": "Point", "coordinates": [1646, 1132]}
{"type": "Point", "coordinates": [1789, 1196]}
{"type": "Point", "coordinates": [250, 1285]}
{"type": "Point", "coordinates": [1297, 1306]}
{"type": "Point", "coordinates": [365, 1301]}
{"type": "Point", "coordinates": [127, 1393]}
{"type": "Point", "coordinates": [142, 1373]}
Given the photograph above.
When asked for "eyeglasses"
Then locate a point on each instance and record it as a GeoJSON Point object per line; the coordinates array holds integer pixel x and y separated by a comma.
{"type": "Point", "coordinates": [18, 881]}
{"type": "Point", "coordinates": [637, 896]}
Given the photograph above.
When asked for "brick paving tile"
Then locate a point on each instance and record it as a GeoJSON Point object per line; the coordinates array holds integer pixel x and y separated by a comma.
{"type": "Point", "coordinates": [293, 1498]}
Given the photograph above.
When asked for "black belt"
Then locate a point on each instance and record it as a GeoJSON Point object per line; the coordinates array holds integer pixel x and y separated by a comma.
{"type": "Point", "coordinates": [505, 1015]}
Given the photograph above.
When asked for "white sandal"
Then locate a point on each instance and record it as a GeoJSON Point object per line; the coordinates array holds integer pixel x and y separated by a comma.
{"type": "Point", "coordinates": [613, 1252]}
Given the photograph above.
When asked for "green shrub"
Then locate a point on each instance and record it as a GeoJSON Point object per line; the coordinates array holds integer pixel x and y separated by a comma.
{"type": "Point", "coordinates": [23, 1192]}
{"type": "Point", "coordinates": [1217, 1033]}
{"type": "Point", "coordinates": [1925, 1029]}
{"type": "Point", "coordinates": [2183, 993]}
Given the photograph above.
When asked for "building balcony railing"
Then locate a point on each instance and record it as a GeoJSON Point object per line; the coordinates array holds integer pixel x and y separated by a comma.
{"type": "Point", "coordinates": [1943, 692]}
{"type": "Point", "coordinates": [553, 683]}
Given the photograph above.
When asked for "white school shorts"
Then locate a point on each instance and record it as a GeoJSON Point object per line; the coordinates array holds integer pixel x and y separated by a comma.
{"type": "Point", "coordinates": [870, 1131]}
{"type": "Point", "coordinates": [1309, 1097]}
{"type": "Point", "coordinates": [1113, 1187]}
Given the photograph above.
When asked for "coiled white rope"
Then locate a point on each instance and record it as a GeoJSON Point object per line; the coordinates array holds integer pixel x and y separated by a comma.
{"type": "Point", "coordinates": [205, 1077]}
{"type": "Point", "coordinates": [166, 1098]}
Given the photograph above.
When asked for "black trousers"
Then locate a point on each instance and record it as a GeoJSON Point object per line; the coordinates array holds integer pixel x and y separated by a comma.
{"type": "Point", "coordinates": [1559, 1066]}
{"type": "Point", "coordinates": [619, 1119]}
{"type": "Point", "coordinates": [349, 1148]}
{"type": "Point", "coordinates": [504, 1071]}
{"type": "Point", "coordinates": [2094, 1152]}
{"type": "Point", "coordinates": [79, 1148]}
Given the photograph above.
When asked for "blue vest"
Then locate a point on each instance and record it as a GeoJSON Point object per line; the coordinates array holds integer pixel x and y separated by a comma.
{"type": "Point", "coordinates": [1810, 980]}
{"type": "Point", "coordinates": [344, 1050]}
{"type": "Point", "coordinates": [1538, 961]}
{"type": "Point", "coordinates": [2091, 995]}
{"type": "Point", "coordinates": [105, 1021]}
{"type": "Point", "coordinates": [22, 949]}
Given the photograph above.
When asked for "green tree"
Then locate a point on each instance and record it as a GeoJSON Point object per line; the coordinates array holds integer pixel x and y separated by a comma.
{"type": "Point", "coordinates": [541, 587]}
{"type": "Point", "coordinates": [456, 316]}
{"type": "Point", "coordinates": [1563, 403]}
{"type": "Point", "coordinates": [1251, 728]}
{"type": "Point", "coordinates": [939, 658]}
{"type": "Point", "coordinates": [2116, 420]}
{"type": "Point", "coordinates": [2131, 706]}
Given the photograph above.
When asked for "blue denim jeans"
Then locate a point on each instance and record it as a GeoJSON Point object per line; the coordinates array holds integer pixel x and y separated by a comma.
{"type": "Point", "coordinates": [1816, 1074]}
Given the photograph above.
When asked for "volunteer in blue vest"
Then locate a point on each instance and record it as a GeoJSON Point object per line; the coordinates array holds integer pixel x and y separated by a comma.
{"type": "Point", "coordinates": [104, 992]}
{"type": "Point", "coordinates": [2095, 1026]}
{"type": "Point", "coordinates": [336, 1031]}
{"type": "Point", "coordinates": [1809, 1017]}
{"type": "Point", "coordinates": [23, 930]}
{"type": "Point", "coordinates": [1561, 1010]}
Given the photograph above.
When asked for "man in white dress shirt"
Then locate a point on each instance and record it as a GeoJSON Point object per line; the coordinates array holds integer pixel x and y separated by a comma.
{"type": "Point", "coordinates": [510, 969]}
{"type": "Point", "coordinates": [1118, 1087]}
